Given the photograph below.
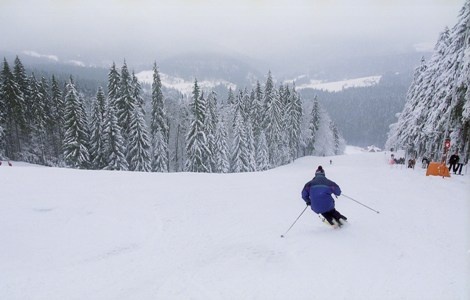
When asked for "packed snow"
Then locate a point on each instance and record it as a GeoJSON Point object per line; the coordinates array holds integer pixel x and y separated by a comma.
{"type": "Point", "coordinates": [75, 234]}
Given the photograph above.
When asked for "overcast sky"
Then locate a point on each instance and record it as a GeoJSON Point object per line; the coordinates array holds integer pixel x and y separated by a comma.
{"type": "Point", "coordinates": [112, 29]}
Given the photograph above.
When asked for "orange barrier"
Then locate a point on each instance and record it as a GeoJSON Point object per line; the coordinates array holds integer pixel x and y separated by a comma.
{"type": "Point", "coordinates": [437, 169]}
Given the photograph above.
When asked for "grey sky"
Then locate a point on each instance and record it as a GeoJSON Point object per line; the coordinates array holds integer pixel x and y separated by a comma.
{"type": "Point", "coordinates": [112, 29]}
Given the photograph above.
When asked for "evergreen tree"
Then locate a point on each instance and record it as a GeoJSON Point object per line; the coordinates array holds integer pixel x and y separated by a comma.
{"type": "Point", "coordinates": [21, 78]}
{"type": "Point", "coordinates": [314, 125]}
{"type": "Point", "coordinates": [158, 124]}
{"type": "Point", "coordinates": [160, 162]}
{"type": "Point", "coordinates": [210, 127]}
{"type": "Point", "coordinates": [231, 96]}
{"type": "Point", "coordinates": [14, 121]}
{"type": "Point", "coordinates": [37, 122]}
{"type": "Point", "coordinates": [273, 121]}
{"type": "Point", "coordinates": [294, 123]}
{"type": "Point", "coordinates": [125, 103]}
{"type": "Point", "coordinates": [139, 144]}
{"type": "Point", "coordinates": [198, 152]}
{"type": "Point", "coordinates": [221, 153]}
{"type": "Point", "coordinates": [336, 138]}
{"type": "Point", "coordinates": [98, 142]}
{"type": "Point", "coordinates": [114, 80]}
{"type": "Point", "coordinates": [257, 111]}
{"type": "Point", "coordinates": [2, 120]}
{"type": "Point", "coordinates": [114, 146]}
{"type": "Point", "coordinates": [76, 140]}
{"type": "Point", "coordinates": [56, 119]}
{"type": "Point", "coordinates": [240, 148]}
{"type": "Point", "coordinates": [262, 155]}
{"type": "Point", "coordinates": [437, 98]}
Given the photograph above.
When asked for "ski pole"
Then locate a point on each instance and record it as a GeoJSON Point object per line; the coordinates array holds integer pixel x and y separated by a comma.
{"type": "Point", "coordinates": [360, 203]}
{"type": "Point", "coordinates": [282, 235]}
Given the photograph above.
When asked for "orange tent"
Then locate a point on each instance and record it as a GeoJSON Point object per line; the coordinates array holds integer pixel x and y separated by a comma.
{"type": "Point", "coordinates": [437, 169]}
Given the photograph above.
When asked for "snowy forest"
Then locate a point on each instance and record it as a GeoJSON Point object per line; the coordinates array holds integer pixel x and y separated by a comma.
{"type": "Point", "coordinates": [438, 100]}
{"type": "Point", "coordinates": [126, 127]}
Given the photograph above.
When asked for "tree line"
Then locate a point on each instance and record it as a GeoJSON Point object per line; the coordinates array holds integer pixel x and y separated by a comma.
{"type": "Point", "coordinates": [126, 127]}
{"type": "Point", "coordinates": [438, 101]}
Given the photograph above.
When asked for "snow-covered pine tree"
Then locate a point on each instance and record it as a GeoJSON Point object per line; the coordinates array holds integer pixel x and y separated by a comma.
{"type": "Point", "coordinates": [56, 119]}
{"type": "Point", "coordinates": [76, 139]}
{"type": "Point", "coordinates": [180, 116]}
{"type": "Point", "coordinates": [37, 122]}
{"type": "Point", "coordinates": [436, 99]}
{"type": "Point", "coordinates": [221, 153]}
{"type": "Point", "coordinates": [14, 122]}
{"type": "Point", "coordinates": [98, 154]}
{"type": "Point", "coordinates": [210, 125]}
{"type": "Point", "coordinates": [324, 140]}
{"type": "Point", "coordinates": [2, 120]}
{"type": "Point", "coordinates": [21, 77]}
{"type": "Point", "coordinates": [262, 155]}
{"type": "Point", "coordinates": [114, 146]}
{"type": "Point", "coordinates": [160, 161]}
{"type": "Point", "coordinates": [272, 121]}
{"type": "Point", "coordinates": [284, 145]}
{"type": "Point", "coordinates": [22, 80]}
{"type": "Point", "coordinates": [294, 122]}
{"type": "Point", "coordinates": [336, 138]}
{"type": "Point", "coordinates": [114, 80]}
{"type": "Point", "coordinates": [240, 149]}
{"type": "Point", "coordinates": [257, 111]}
{"type": "Point", "coordinates": [125, 104]}
{"type": "Point", "coordinates": [231, 96]}
{"type": "Point", "coordinates": [314, 124]}
{"type": "Point", "coordinates": [158, 124]}
{"type": "Point", "coordinates": [139, 143]}
{"type": "Point", "coordinates": [197, 150]}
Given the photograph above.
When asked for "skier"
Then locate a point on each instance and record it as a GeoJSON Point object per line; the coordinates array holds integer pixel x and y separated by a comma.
{"type": "Point", "coordinates": [317, 193]}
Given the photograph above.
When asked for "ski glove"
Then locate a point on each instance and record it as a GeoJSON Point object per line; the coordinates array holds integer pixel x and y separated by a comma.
{"type": "Point", "coordinates": [308, 203]}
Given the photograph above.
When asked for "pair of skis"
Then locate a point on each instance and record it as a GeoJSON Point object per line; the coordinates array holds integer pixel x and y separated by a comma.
{"type": "Point", "coordinates": [335, 225]}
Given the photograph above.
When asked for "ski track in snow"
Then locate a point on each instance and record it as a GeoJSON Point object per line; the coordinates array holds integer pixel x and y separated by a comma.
{"type": "Point", "coordinates": [74, 234]}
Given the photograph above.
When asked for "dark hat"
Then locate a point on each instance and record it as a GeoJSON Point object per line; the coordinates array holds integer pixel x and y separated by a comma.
{"type": "Point", "coordinates": [320, 171]}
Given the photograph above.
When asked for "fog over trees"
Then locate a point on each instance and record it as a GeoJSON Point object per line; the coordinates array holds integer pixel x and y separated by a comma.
{"type": "Point", "coordinates": [125, 127]}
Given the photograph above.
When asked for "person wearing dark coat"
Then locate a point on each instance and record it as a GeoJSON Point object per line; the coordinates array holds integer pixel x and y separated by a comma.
{"type": "Point", "coordinates": [317, 193]}
{"type": "Point", "coordinates": [454, 162]}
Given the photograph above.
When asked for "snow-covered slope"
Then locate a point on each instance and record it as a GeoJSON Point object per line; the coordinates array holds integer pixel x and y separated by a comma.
{"type": "Point", "coordinates": [186, 87]}
{"type": "Point", "coordinates": [336, 86]}
{"type": "Point", "coordinates": [72, 234]}
{"type": "Point", "coordinates": [180, 84]}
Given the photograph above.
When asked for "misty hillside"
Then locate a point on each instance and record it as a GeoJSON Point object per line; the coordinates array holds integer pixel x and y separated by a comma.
{"type": "Point", "coordinates": [351, 109]}
{"type": "Point", "coordinates": [364, 114]}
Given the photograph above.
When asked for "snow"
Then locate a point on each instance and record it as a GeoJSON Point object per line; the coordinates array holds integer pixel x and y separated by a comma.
{"type": "Point", "coordinates": [38, 55]}
{"type": "Point", "coordinates": [76, 234]}
{"type": "Point", "coordinates": [336, 86]}
{"type": "Point", "coordinates": [183, 86]}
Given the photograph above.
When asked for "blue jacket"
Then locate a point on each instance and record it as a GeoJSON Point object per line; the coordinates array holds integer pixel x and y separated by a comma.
{"type": "Point", "coordinates": [318, 192]}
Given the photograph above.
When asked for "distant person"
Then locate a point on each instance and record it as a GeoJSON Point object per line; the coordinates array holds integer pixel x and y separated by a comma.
{"type": "Point", "coordinates": [454, 162]}
{"type": "Point", "coordinates": [411, 163]}
{"type": "Point", "coordinates": [317, 193]}
{"type": "Point", "coordinates": [425, 162]}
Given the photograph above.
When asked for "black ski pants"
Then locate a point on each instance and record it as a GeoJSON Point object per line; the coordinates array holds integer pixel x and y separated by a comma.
{"type": "Point", "coordinates": [333, 215]}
